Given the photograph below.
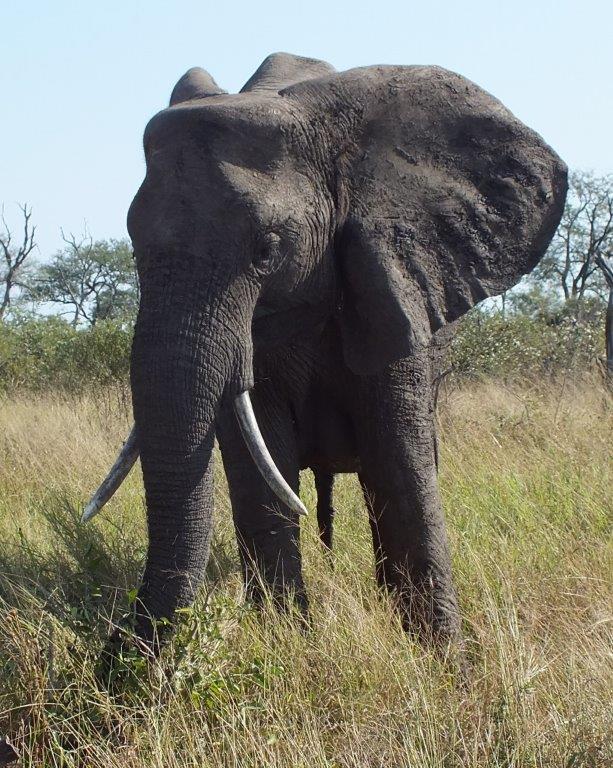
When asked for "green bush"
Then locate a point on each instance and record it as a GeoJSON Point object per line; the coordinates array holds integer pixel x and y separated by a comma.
{"type": "Point", "coordinates": [48, 353]}
{"type": "Point", "coordinates": [521, 345]}
{"type": "Point", "coordinates": [44, 353]}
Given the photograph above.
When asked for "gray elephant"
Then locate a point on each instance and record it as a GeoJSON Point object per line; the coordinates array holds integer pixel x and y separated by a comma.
{"type": "Point", "coordinates": [298, 244]}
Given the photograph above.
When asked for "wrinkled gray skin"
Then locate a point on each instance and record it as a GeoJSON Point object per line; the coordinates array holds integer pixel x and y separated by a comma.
{"type": "Point", "coordinates": [304, 239]}
{"type": "Point", "coordinates": [324, 478]}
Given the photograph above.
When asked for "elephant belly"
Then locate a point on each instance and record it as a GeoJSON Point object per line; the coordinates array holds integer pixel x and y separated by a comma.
{"type": "Point", "coordinates": [327, 436]}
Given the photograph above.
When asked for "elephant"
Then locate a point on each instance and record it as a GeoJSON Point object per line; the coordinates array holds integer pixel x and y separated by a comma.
{"type": "Point", "coordinates": [299, 244]}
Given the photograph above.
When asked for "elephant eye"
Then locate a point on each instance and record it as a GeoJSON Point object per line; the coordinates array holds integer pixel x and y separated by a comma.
{"type": "Point", "coordinates": [266, 251]}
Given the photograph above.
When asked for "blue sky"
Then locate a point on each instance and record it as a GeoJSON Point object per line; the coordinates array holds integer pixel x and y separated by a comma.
{"type": "Point", "coordinates": [79, 80]}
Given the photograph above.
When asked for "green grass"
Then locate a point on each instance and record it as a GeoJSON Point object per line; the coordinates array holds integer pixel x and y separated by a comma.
{"type": "Point", "coordinates": [526, 479]}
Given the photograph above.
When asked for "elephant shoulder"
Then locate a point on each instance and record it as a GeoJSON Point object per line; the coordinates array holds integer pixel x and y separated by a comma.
{"type": "Point", "coordinates": [280, 70]}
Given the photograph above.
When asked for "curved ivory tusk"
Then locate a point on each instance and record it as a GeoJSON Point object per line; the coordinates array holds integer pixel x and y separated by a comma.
{"type": "Point", "coordinates": [116, 476]}
{"type": "Point", "coordinates": [261, 456]}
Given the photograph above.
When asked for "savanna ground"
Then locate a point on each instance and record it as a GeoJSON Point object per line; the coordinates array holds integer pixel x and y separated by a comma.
{"type": "Point", "coordinates": [526, 478]}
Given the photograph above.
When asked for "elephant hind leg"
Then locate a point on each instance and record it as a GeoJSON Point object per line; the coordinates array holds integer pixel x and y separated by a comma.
{"type": "Point", "coordinates": [324, 485]}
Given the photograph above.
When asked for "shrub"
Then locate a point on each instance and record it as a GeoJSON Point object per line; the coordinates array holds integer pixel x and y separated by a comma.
{"type": "Point", "coordinates": [520, 345]}
{"type": "Point", "coordinates": [48, 353]}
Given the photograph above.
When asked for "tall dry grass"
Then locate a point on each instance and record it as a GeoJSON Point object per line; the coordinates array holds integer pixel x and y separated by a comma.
{"type": "Point", "coordinates": [526, 481]}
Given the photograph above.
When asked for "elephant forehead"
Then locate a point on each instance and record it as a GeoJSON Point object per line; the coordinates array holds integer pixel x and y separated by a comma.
{"type": "Point", "coordinates": [279, 184]}
{"type": "Point", "coordinates": [225, 121]}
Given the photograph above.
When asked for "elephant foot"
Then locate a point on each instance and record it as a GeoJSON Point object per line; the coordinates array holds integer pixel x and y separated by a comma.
{"type": "Point", "coordinates": [132, 646]}
{"type": "Point", "coordinates": [433, 620]}
{"type": "Point", "coordinates": [286, 599]}
{"type": "Point", "coordinates": [121, 656]}
{"type": "Point", "coordinates": [8, 753]}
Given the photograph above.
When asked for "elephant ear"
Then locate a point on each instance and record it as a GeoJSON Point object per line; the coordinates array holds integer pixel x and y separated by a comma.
{"type": "Point", "coordinates": [447, 199]}
{"type": "Point", "coordinates": [280, 70]}
{"type": "Point", "coordinates": [196, 83]}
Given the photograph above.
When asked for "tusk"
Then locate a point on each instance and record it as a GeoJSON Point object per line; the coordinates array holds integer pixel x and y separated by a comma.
{"type": "Point", "coordinates": [116, 476]}
{"type": "Point", "coordinates": [261, 456]}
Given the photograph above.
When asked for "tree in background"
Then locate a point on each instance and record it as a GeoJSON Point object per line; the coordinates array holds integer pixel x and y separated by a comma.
{"type": "Point", "coordinates": [14, 267]}
{"type": "Point", "coordinates": [575, 278]}
{"type": "Point", "coordinates": [92, 280]}
{"type": "Point", "coordinates": [585, 235]}
{"type": "Point", "coordinates": [605, 262]}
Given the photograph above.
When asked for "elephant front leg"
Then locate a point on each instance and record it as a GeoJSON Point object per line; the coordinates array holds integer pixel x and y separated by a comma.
{"type": "Point", "coordinates": [395, 425]}
{"type": "Point", "coordinates": [268, 532]}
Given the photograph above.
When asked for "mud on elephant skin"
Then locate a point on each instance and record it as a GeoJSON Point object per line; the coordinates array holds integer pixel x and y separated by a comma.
{"type": "Point", "coordinates": [298, 244]}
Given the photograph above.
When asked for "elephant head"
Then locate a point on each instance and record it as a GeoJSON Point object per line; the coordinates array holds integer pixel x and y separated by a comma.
{"type": "Point", "coordinates": [390, 198]}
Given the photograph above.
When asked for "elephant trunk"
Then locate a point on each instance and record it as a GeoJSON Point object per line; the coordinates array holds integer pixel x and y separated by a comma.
{"type": "Point", "coordinates": [180, 368]}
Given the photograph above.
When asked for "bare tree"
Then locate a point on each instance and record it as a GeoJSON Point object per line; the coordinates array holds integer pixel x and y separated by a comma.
{"type": "Point", "coordinates": [584, 235]}
{"type": "Point", "coordinates": [13, 267]}
{"type": "Point", "coordinates": [605, 262]}
{"type": "Point", "coordinates": [94, 280]}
